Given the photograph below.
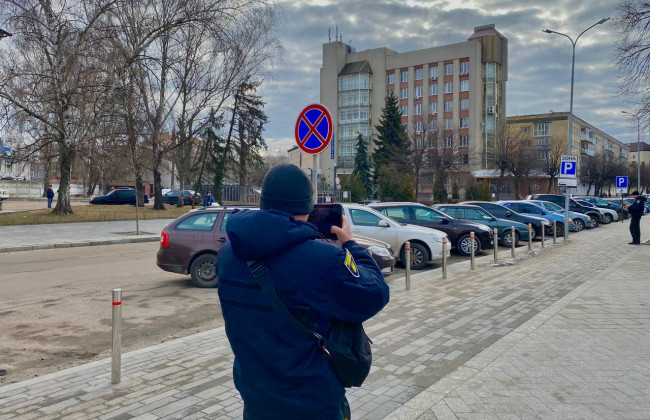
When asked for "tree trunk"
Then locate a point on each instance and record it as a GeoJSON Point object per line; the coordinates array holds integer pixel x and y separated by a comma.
{"type": "Point", "coordinates": [139, 193]}
{"type": "Point", "coordinates": [47, 170]}
{"type": "Point", "coordinates": [157, 177]}
{"type": "Point", "coordinates": [66, 156]}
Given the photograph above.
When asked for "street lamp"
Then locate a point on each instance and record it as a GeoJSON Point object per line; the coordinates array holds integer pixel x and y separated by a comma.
{"type": "Point", "coordinates": [4, 34]}
{"type": "Point", "coordinates": [638, 148]}
{"type": "Point", "coordinates": [570, 130]}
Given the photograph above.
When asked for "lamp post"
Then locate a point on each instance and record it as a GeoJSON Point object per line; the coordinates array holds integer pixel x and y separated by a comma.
{"type": "Point", "coordinates": [4, 34]}
{"type": "Point", "coordinates": [638, 149]}
{"type": "Point", "coordinates": [570, 130]}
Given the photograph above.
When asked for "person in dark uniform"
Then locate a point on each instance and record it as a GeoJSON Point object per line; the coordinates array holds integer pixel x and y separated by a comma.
{"type": "Point", "coordinates": [636, 210]}
{"type": "Point", "coordinates": [280, 373]}
{"type": "Point", "coordinates": [208, 200]}
{"type": "Point", "coordinates": [50, 196]}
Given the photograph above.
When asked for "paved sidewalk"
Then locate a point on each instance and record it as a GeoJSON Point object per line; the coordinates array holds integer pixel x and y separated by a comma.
{"type": "Point", "coordinates": [563, 333]}
{"type": "Point", "coordinates": [61, 235]}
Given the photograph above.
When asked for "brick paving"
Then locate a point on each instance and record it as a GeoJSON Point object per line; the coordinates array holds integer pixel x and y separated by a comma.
{"type": "Point", "coordinates": [562, 333]}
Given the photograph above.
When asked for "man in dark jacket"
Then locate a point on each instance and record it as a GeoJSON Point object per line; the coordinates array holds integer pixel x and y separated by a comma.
{"type": "Point", "coordinates": [208, 200]}
{"type": "Point", "coordinates": [50, 196]}
{"type": "Point", "coordinates": [636, 210]}
{"type": "Point", "coordinates": [280, 373]}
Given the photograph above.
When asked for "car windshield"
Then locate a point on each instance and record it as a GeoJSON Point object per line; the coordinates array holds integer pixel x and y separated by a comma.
{"type": "Point", "coordinates": [551, 206]}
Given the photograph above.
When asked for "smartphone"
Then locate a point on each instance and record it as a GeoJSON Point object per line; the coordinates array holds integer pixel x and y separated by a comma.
{"type": "Point", "coordinates": [324, 216]}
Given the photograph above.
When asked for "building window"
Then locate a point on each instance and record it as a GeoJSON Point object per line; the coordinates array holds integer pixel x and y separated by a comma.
{"type": "Point", "coordinates": [433, 89]}
{"type": "Point", "coordinates": [464, 140]}
{"type": "Point", "coordinates": [449, 106]}
{"type": "Point", "coordinates": [463, 159]}
{"type": "Point", "coordinates": [433, 143]}
{"type": "Point", "coordinates": [449, 87]}
{"type": "Point", "coordinates": [390, 92]}
{"type": "Point", "coordinates": [433, 72]}
{"type": "Point", "coordinates": [433, 124]}
{"type": "Point", "coordinates": [542, 129]}
{"type": "Point", "coordinates": [404, 76]}
{"type": "Point", "coordinates": [449, 69]}
{"type": "Point", "coordinates": [405, 111]}
{"type": "Point", "coordinates": [449, 123]}
{"type": "Point", "coordinates": [464, 85]}
{"type": "Point", "coordinates": [464, 67]}
{"type": "Point", "coordinates": [433, 108]}
{"type": "Point", "coordinates": [464, 104]}
{"type": "Point", "coordinates": [391, 78]}
{"type": "Point", "coordinates": [404, 93]}
{"type": "Point", "coordinates": [524, 130]}
{"type": "Point", "coordinates": [464, 122]}
{"type": "Point", "coordinates": [418, 126]}
{"type": "Point", "coordinates": [418, 91]}
{"type": "Point", "coordinates": [449, 142]}
{"type": "Point", "coordinates": [418, 74]}
{"type": "Point", "coordinates": [418, 109]}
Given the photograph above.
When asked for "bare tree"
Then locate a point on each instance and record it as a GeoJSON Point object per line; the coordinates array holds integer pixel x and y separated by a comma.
{"type": "Point", "coordinates": [550, 162]}
{"type": "Point", "coordinates": [503, 153]}
{"type": "Point", "coordinates": [522, 162]}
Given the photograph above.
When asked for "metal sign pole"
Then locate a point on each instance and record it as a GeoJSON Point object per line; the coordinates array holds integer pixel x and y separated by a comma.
{"type": "Point", "coordinates": [472, 241]}
{"type": "Point", "coordinates": [512, 241]}
{"type": "Point", "coordinates": [496, 244]}
{"type": "Point", "coordinates": [407, 263]}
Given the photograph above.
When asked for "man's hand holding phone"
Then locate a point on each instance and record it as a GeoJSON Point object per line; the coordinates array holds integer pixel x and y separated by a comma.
{"type": "Point", "coordinates": [343, 233]}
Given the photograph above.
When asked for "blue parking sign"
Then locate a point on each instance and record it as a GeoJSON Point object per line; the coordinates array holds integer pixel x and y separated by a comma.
{"type": "Point", "coordinates": [621, 182]}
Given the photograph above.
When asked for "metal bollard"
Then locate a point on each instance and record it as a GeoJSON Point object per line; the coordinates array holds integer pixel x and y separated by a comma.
{"type": "Point", "coordinates": [444, 259]}
{"type": "Point", "coordinates": [407, 263]}
{"type": "Point", "coordinates": [116, 352]}
{"type": "Point", "coordinates": [472, 241]}
{"type": "Point", "coordinates": [512, 241]}
{"type": "Point", "coordinates": [543, 229]}
{"type": "Point", "coordinates": [530, 237]}
{"type": "Point", "coordinates": [554, 232]}
{"type": "Point", "coordinates": [496, 244]}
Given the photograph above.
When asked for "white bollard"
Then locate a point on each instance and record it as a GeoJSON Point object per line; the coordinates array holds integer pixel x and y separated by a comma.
{"type": "Point", "coordinates": [554, 232]}
{"type": "Point", "coordinates": [407, 263]}
{"type": "Point", "coordinates": [472, 241]}
{"type": "Point", "coordinates": [543, 229]}
{"type": "Point", "coordinates": [512, 241]}
{"type": "Point", "coordinates": [116, 351]}
{"type": "Point", "coordinates": [444, 259]}
{"type": "Point", "coordinates": [530, 237]}
{"type": "Point", "coordinates": [496, 244]}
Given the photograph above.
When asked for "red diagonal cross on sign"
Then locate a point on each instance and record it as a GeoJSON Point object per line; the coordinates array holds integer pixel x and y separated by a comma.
{"type": "Point", "coordinates": [312, 128]}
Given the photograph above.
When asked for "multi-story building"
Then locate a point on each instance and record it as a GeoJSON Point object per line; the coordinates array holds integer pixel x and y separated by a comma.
{"type": "Point", "coordinates": [639, 153]}
{"type": "Point", "coordinates": [586, 140]}
{"type": "Point", "coordinates": [456, 91]}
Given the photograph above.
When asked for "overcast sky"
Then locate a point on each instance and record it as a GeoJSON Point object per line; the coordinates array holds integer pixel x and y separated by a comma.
{"type": "Point", "coordinates": [539, 75]}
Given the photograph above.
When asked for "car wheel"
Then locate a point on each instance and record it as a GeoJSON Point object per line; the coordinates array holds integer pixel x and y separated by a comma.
{"type": "Point", "coordinates": [607, 218]}
{"type": "Point", "coordinates": [419, 256]}
{"type": "Point", "coordinates": [578, 225]}
{"type": "Point", "coordinates": [204, 271]}
{"type": "Point", "coordinates": [464, 245]}
{"type": "Point", "coordinates": [506, 239]}
{"type": "Point", "coordinates": [559, 229]}
{"type": "Point", "coordinates": [594, 221]}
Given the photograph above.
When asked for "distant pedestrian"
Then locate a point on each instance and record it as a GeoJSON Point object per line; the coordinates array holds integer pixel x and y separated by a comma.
{"type": "Point", "coordinates": [636, 211]}
{"type": "Point", "coordinates": [208, 200]}
{"type": "Point", "coordinates": [50, 196]}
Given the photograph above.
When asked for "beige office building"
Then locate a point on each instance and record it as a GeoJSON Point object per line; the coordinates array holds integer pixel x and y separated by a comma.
{"type": "Point", "coordinates": [458, 90]}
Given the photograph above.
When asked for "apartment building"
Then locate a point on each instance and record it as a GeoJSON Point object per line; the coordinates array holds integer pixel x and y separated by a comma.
{"type": "Point", "coordinates": [641, 153]}
{"type": "Point", "coordinates": [456, 92]}
{"type": "Point", "coordinates": [586, 139]}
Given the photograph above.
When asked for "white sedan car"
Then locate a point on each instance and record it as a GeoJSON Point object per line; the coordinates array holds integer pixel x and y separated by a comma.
{"type": "Point", "coordinates": [426, 243]}
{"type": "Point", "coordinates": [3, 194]}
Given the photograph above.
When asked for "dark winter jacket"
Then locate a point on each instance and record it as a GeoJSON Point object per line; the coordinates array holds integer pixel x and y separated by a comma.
{"type": "Point", "coordinates": [637, 208]}
{"type": "Point", "coordinates": [50, 193]}
{"type": "Point", "coordinates": [279, 373]}
{"type": "Point", "coordinates": [208, 200]}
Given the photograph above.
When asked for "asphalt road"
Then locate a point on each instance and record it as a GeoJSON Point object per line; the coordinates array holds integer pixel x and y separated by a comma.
{"type": "Point", "coordinates": [56, 305]}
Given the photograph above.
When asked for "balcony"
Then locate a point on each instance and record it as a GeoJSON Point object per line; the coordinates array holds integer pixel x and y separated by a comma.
{"type": "Point", "coordinates": [587, 135]}
{"type": "Point", "coordinates": [588, 151]}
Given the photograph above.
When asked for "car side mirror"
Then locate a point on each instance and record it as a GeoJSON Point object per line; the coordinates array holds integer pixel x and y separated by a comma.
{"type": "Point", "coordinates": [383, 223]}
{"type": "Point", "coordinates": [444, 221]}
{"type": "Point", "coordinates": [508, 214]}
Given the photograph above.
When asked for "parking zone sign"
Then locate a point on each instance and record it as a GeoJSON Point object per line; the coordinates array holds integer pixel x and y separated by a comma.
{"type": "Point", "coordinates": [568, 166]}
{"type": "Point", "coordinates": [621, 184]}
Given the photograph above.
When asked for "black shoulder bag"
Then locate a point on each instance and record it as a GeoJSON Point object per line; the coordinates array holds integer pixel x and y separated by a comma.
{"type": "Point", "coordinates": [347, 347]}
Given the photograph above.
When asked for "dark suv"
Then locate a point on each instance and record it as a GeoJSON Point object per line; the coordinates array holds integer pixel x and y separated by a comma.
{"type": "Point", "coordinates": [594, 214]}
{"type": "Point", "coordinates": [502, 212]}
{"type": "Point", "coordinates": [189, 245]}
{"type": "Point", "coordinates": [118, 196]}
{"type": "Point", "coordinates": [457, 230]}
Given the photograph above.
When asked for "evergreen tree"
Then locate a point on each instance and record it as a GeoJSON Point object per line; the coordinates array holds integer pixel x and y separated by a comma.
{"type": "Point", "coordinates": [362, 165]}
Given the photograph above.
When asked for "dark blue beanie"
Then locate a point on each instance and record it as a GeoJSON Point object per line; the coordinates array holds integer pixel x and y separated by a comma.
{"type": "Point", "coordinates": [287, 188]}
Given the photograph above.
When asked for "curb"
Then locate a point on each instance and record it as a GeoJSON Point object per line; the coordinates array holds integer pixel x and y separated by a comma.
{"type": "Point", "coordinates": [139, 239]}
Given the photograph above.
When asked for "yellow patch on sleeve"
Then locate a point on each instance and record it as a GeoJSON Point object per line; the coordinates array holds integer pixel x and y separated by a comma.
{"type": "Point", "coordinates": [350, 264]}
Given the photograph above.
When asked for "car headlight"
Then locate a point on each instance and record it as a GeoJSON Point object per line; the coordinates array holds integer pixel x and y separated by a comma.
{"type": "Point", "coordinates": [379, 250]}
{"type": "Point", "coordinates": [547, 223]}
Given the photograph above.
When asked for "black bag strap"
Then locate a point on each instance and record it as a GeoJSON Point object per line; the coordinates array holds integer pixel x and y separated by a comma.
{"type": "Point", "coordinates": [261, 273]}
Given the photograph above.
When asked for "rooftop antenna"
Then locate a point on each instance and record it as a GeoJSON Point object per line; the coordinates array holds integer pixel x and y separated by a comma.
{"type": "Point", "coordinates": [329, 34]}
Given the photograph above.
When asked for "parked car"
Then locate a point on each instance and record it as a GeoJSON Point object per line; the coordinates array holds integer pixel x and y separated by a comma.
{"type": "Point", "coordinates": [607, 204]}
{"type": "Point", "coordinates": [3, 194]}
{"type": "Point", "coordinates": [530, 209]}
{"type": "Point", "coordinates": [501, 212]}
{"type": "Point", "coordinates": [171, 197]}
{"type": "Point", "coordinates": [578, 221]}
{"type": "Point", "coordinates": [118, 196]}
{"type": "Point", "coordinates": [596, 216]}
{"type": "Point", "coordinates": [426, 244]}
{"type": "Point", "coordinates": [458, 231]}
{"type": "Point", "coordinates": [189, 245]}
{"type": "Point", "coordinates": [480, 215]}
{"type": "Point", "coordinates": [609, 215]}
